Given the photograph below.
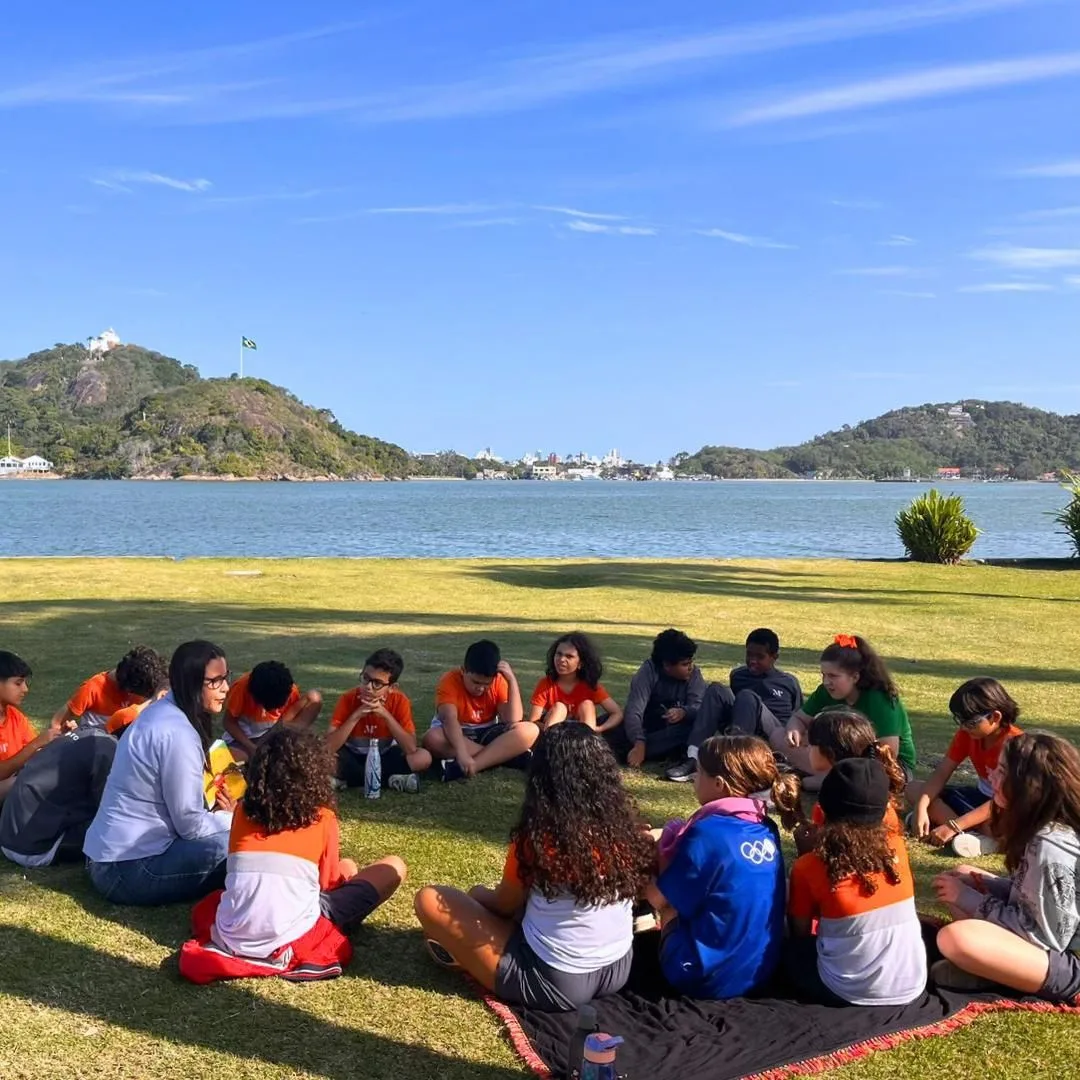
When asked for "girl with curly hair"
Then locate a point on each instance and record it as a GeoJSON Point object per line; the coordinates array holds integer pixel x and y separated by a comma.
{"type": "Point", "coordinates": [289, 899]}
{"type": "Point", "coordinates": [837, 735]}
{"type": "Point", "coordinates": [857, 885]}
{"type": "Point", "coordinates": [570, 688]}
{"type": "Point", "coordinates": [720, 892]}
{"type": "Point", "coordinates": [853, 676]}
{"type": "Point", "coordinates": [1021, 931]}
{"type": "Point", "coordinates": [557, 930]}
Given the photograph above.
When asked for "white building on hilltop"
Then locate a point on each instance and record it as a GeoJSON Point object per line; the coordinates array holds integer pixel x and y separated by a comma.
{"type": "Point", "coordinates": [106, 341]}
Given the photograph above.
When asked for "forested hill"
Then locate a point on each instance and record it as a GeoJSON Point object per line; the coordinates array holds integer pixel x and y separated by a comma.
{"type": "Point", "coordinates": [979, 437]}
{"type": "Point", "coordinates": [133, 412]}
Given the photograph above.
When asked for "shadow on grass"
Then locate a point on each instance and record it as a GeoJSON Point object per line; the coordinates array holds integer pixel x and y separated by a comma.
{"type": "Point", "coordinates": [226, 1018]}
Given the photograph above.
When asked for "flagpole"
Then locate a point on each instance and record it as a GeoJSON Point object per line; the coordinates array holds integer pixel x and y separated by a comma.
{"type": "Point", "coordinates": [241, 357]}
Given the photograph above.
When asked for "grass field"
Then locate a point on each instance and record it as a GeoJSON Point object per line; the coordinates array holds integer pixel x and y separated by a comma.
{"type": "Point", "coordinates": [90, 990]}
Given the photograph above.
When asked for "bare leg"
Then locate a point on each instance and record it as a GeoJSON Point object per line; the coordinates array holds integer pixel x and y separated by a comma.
{"type": "Point", "coordinates": [470, 933]}
{"type": "Point", "coordinates": [386, 875]}
{"type": "Point", "coordinates": [586, 714]}
{"type": "Point", "coordinates": [507, 746]}
{"type": "Point", "coordinates": [994, 953]}
{"type": "Point", "coordinates": [557, 714]}
{"type": "Point", "coordinates": [438, 745]}
{"type": "Point", "coordinates": [419, 760]}
{"type": "Point", "coordinates": [798, 757]}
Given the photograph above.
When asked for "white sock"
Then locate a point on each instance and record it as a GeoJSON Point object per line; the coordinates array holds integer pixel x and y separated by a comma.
{"type": "Point", "coordinates": [692, 752]}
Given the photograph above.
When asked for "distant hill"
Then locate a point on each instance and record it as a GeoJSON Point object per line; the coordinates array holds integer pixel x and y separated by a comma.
{"type": "Point", "coordinates": [131, 412]}
{"type": "Point", "coordinates": [979, 437]}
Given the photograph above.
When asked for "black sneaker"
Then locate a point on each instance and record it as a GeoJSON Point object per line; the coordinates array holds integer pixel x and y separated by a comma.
{"type": "Point", "coordinates": [683, 772]}
{"type": "Point", "coordinates": [451, 771]}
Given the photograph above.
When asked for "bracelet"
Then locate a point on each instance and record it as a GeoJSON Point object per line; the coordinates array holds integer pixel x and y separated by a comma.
{"type": "Point", "coordinates": [954, 825]}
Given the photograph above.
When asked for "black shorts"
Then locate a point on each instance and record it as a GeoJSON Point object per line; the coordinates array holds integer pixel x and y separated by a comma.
{"type": "Point", "coordinates": [485, 736]}
{"type": "Point", "coordinates": [522, 978]}
{"type": "Point", "coordinates": [351, 766]}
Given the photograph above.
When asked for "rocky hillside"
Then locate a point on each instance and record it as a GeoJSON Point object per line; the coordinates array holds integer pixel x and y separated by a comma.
{"type": "Point", "coordinates": [132, 412]}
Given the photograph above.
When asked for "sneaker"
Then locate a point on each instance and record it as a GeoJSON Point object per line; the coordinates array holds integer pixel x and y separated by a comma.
{"type": "Point", "coordinates": [338, 784]}
{"type": "Point", "coordinates": [683, 772]}
{"type": "Point", "coordinates": [451, 771]}
{"type": "Point", "coordinates": [783, 766]}
{"type": "Point", "coordinates": [522, 762]}
{"type": "Point", "coordinates": [406, 783]}
{"type": "Point", "coordinates": [644, 921]}
{"type": "Point", "coordinates": [970, 845]}
{"type": "Point", "coordinates": [946, 975]}
{"type": "Point", "coordinates": [440, 955]}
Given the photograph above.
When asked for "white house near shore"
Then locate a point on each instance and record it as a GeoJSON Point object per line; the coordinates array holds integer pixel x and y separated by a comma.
{"type": "Point", "coordinates": [104, 342]}
{"type": "Point", "coordinates": [35, 463]}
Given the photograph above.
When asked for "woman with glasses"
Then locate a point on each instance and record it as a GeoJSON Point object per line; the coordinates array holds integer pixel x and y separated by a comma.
{"type": "Point", "coordinates": [957, 817]}
{"type": "Point", "coordinates": [153, 840]}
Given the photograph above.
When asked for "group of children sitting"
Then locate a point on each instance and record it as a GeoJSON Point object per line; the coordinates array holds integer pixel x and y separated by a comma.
{"type": "Point", "coordinates": [119, 777]}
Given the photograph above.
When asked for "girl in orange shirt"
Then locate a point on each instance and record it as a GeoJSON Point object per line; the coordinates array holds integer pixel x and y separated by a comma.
{"type": "Point", "coordinates": [571, 689]}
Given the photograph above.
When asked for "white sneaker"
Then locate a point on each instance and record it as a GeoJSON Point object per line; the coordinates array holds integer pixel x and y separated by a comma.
{"type": "Point", "coordinates": [338, 785]}
{"type": "Point", "coordinates": [406, 783]}
{"type": "Point", "coordinates": [970, 845]}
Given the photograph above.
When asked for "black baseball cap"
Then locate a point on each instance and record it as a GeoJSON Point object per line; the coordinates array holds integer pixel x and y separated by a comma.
{"type": "Point", "coordinates": [855, 790]}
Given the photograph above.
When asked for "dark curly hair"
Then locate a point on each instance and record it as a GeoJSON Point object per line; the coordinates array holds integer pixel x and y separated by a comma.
{"type": "Point", "coordinates": [864, 661]}
{"type": "Point", "coordinates": [580, 831]}
{"type": "Point", "coordinates": [270, 684]}
{"type": "Point", "coordinates": [848, 849]}
{"type": "Point", "coordinates": [672, 646]}
{"type": "Point", "coordinates": [288, 780]}
{"type": "Point", "coordinates": [840, 734]}
{"type": "Point", "coordinates": [1041, 786]}
{"type": "Point", "coordinates": [143, 671]}
{"type": "Point", "coordinates": [589, 669]}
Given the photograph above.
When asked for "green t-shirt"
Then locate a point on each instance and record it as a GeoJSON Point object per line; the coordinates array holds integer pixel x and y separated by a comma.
{"type": "Point", "coordinates": [889, 718]}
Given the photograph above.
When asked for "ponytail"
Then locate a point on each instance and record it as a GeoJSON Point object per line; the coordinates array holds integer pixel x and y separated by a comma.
{"type": "Point", "coordinates": [786, 790]}
{"type": "Point", "coordinates": [885, 756]}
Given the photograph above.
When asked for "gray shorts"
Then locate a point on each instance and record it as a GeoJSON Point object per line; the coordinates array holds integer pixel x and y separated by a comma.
{"type": "Point", "coordinates": [522, 978]}
{"type": "Point", "coordinates": [1063, 979]}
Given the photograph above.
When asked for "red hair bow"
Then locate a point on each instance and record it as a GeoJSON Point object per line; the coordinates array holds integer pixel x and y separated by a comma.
{"type": "Point", "coordinates": [846, 641]}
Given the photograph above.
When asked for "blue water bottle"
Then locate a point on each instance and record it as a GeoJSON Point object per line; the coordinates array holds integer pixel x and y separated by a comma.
{"type": "Point", "coordinates": [599, 1061]}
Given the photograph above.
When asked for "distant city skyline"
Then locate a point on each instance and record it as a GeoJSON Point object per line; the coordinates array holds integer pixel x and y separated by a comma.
{"type": "Point", "coordinates": [664, 226]}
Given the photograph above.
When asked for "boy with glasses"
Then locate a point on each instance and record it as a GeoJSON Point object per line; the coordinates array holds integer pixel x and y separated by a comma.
{"type": "Point", "coordinates": [377, 709]}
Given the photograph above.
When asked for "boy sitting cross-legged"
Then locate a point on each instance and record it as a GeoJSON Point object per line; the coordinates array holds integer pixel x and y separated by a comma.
{"type": "Point", "coordinates": [478, 720]}
{"type": "Point", "coordinates": [264, 697]}
{"type": "Point", "coordinates": [377, 709]}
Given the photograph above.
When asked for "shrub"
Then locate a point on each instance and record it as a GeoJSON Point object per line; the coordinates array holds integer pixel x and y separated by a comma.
{"type": "Point", "coordinates": [935, 529]}
{"type": "Point", "coordinates": [1069, 517]}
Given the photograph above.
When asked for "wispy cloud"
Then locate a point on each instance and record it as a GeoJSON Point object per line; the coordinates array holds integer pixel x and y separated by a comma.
{"type": "Point", "coordinates": [1007, 287]}
{"type": "Point", "coordinates": [913, 86]}
{"type": "Point", "coordinates": [898, 240]}
{"type": "Point", "coordinates": [121, 179]}
{"type": "Point", "coordinates": [273, 196]}
{"type": "Point", "coordinates": [1052, 171]}
{"type": "Point", "coordinates": [527, 82]}
{"type": "Point", "coordinates": [885, 272]}
{"type": "Point", "coordinates": [620, 230]}
{"type": "Point", "coordinates": [437, 208]}
{"type": "Point", "coordinates": [1073, 281]}
{"type": "Point", "coordinates": [588, 215]}
{"type": "Point", "coordinates": [1011, 257]}
{"type": "Point", "coordinates": [482, 223]}
{"type": "Point", "coordinates": [910, 294]}
{"type": "Point", "coordinates": [744, 240]}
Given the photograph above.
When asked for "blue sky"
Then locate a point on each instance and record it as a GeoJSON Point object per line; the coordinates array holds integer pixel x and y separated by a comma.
{"type": "Point", "coordinates": [557, 225]}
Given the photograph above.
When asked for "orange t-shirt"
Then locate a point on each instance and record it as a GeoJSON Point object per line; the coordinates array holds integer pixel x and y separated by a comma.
{"type": "Point", "coordinates": [548, 693]}
{"type": "Point", "coordinates": [241, 705]}
{"type": "Point", "coordinates": [123, 717]}
{"type": "Point", "coordinates": [371, 725]}
{"type": "Point", "coordinates": [984, 759]}
{"type": "Point", "coordinates": [16, 732]}
{"type": "Point", "coordinates": [811, 895]}
{"type": "Point", "coordinates": [99, 697]}
{"type": "Point", "coordinates": [892, 822]}
{"type": "Point", "coordinates": [471, 710]}
{"type": "Point", "coordinates": [317, 843]}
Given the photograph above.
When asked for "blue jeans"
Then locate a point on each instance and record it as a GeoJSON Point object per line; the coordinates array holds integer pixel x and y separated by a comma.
{"type": "Point", "coordinates": [185, 871]}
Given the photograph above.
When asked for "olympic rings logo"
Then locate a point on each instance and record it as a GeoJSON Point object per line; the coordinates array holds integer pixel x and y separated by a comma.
{"type": "Point", "coordinates": [758, 852]}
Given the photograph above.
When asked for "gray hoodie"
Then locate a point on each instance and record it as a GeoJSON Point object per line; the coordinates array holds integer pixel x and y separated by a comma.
{"type": "Point", "coordinates": [1039, 902]}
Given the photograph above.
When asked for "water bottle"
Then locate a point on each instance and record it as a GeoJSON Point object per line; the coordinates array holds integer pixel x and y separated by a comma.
{"type": "Point", "coordinates": [373, 771]}
{"type": "Point", "coordinates": [599, 1061]}
{"type": "Point", "coordinates": [586, 1025]}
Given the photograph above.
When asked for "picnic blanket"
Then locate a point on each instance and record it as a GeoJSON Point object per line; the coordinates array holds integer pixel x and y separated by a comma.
{"type": "Point", "coordinates": [765, 1038]}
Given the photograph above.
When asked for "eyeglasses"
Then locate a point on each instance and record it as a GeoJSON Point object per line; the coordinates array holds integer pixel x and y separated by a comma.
{"type": "Point", "coordinates": [375, 684]}
{"type": "Point", "coordinates": [218, 681]}
{"type": "Point", "coordinates": [970, 721]}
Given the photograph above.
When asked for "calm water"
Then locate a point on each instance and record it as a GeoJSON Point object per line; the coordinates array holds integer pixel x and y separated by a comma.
{"type": "Point", "coordinates": [502, 519]}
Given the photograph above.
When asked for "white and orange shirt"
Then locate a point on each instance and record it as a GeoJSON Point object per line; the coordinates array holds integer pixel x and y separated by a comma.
{"type": "Point", "coordinates": [273, 882]}
{"type": "Point", "coordinates": [98, 698]}
{"type": "Point", "coordinates": [16, 732]}
{"type": "Point", "coordinates": [254, 720]}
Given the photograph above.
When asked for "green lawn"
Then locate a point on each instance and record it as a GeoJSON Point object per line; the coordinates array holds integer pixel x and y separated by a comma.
{"type": "Point", "coordinates": [91, 991]}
